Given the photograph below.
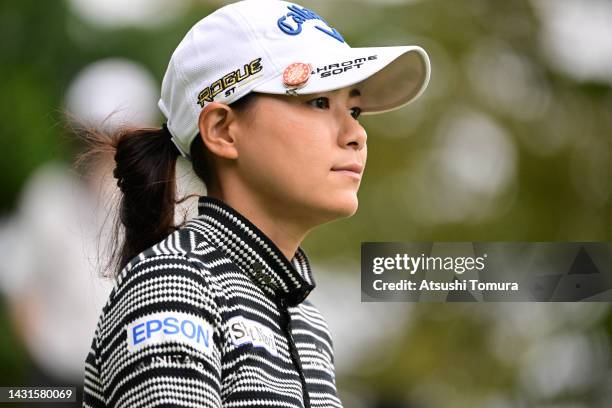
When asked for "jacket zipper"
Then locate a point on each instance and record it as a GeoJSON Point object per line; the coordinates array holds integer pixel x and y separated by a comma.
{"type": "Point", "coordinates": [294, 353]}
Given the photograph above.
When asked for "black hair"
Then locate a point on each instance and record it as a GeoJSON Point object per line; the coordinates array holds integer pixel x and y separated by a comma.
{"type": "Point", "coordinates": [145, 169]}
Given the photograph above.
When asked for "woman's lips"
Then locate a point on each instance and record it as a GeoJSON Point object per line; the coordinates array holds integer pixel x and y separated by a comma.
{"type": "Point", "coordinates": [353, 170]}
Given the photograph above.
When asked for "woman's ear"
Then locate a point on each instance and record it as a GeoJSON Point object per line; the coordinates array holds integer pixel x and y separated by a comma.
{"type": "Point", "coordinates": [215, 124]}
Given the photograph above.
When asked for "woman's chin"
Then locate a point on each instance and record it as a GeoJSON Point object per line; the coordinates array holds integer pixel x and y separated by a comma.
{"type": "Point", "coordinates": [342, 206]}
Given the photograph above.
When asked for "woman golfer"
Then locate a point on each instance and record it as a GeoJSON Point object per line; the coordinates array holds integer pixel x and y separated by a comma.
{"type": "Point", "coordinates": [263, 97]}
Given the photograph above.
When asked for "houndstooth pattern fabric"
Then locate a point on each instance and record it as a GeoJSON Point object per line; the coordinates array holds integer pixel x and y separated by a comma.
{"type": "Point", "coordinates": [212, 316]}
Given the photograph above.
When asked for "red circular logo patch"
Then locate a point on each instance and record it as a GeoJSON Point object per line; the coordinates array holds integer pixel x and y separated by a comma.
{"type": "Point", "coordinates": [296, 74]}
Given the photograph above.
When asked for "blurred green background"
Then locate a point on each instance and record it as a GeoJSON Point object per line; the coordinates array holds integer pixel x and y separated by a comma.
{"type": "Point", "coordinates": [511, 142]}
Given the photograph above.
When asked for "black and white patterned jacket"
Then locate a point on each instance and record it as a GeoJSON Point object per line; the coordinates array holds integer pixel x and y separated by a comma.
{"type": "Point", "coordinates": [213, 316]}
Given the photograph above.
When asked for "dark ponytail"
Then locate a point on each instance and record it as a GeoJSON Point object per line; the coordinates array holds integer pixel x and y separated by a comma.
{"type": "Point", "coordinates": [145, 170]}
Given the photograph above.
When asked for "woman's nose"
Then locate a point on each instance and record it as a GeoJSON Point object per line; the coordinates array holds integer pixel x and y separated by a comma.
{"type": "Point", "coordinates": [353, 134]}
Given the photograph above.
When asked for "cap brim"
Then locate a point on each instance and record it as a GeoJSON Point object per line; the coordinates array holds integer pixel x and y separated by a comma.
{"type": "Point", "coordinates": [387, 77]}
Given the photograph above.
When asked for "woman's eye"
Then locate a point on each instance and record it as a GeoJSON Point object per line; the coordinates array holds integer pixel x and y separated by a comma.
{"type": "Point", "coordinates": [321, 102]}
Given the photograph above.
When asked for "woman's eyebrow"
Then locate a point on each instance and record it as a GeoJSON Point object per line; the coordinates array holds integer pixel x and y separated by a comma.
{"type": "Point", "coordinates": [354, 93]}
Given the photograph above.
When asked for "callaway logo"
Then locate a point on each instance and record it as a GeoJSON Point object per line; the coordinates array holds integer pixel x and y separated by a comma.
{"type": "Point", "coordinates": [299, 17]}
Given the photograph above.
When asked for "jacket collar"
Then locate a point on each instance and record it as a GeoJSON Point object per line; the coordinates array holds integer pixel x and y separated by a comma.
{"type": "Point", "coordinates": [255, 254]}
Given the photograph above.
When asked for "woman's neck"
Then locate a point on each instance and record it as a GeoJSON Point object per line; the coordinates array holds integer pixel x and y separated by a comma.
{"type": "Point", "coordinates": [286, 234]}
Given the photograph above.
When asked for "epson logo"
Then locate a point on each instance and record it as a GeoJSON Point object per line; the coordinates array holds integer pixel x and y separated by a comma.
{"type": "Point", "coordinates": [165, 327]}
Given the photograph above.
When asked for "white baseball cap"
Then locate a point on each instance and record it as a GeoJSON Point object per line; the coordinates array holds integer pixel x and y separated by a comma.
{"type": "Point", "coordinates": [277, 47]}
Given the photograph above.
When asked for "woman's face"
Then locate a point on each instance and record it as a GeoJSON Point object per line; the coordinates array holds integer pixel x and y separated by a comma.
{"type": "Point", "coordinates": [303, 155]}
